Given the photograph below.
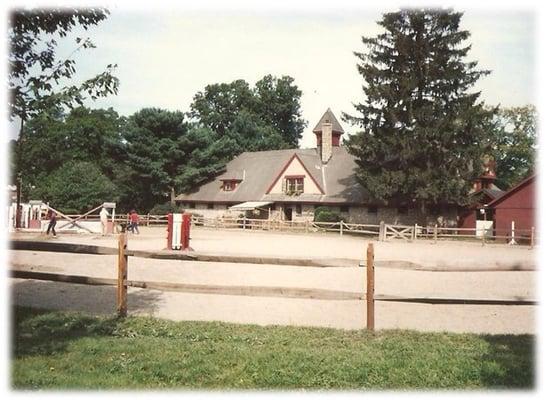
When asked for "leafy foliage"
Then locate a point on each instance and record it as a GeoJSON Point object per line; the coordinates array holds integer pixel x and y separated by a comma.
{"type": "Point", "coordinates": [278, 104]}
{"type": "Point", "coordinates": [52, 139]}
{"type": "Point", "coordinates": [36, 75]}
{"type": "Point", "coordinates": [423, 131]}
{"type": "Point", "coordinates": [78, 186]}
{"type": "Point", "coordinates": [326, 214]}
{"type": "Point", "coordinates": [167, 154]}
{"type": "Point", "coordinates": [165, 208]}
{"type": "Point", "coordinates": [39, 81]}
{"type": "Point", "coordinates": [262, 118]}
{"type": "Point", "coordinates": [514, 144]}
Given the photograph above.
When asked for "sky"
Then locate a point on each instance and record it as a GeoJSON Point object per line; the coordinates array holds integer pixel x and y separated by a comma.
{"type": "Point", "coordinates": [166, 55]}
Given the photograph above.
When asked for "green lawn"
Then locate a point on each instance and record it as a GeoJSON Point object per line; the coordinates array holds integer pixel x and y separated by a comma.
{"type": "Point", "coordinates": [67, 350]}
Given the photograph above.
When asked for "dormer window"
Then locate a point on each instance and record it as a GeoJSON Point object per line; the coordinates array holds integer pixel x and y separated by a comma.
{"type": "Point", "coordinates": [229, 185]}
{"type": "Point", "coordinates": [294, 184]}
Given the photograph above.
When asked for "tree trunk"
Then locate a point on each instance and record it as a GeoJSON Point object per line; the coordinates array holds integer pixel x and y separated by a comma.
{"type": "Point", "coordinates": [173, 196]}
{"type": "Point", "coordinates": [18, 179]}
{"type": "Point", "coordinates": [423, 213]}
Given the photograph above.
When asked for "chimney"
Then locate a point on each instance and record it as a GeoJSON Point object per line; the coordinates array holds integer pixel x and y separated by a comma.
{"type": "Point", "coordinates": [326, 141]}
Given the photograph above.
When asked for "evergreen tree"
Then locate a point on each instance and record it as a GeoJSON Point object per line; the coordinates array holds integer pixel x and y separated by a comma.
{"type": "Point", "coordinates": [422, 130]}
{"type": "Point", "coordinates": [167, 155]}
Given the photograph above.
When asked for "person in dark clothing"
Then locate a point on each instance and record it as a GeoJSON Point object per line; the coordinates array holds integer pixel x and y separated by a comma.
{"type": "Point", "coordinates": [52, 222]}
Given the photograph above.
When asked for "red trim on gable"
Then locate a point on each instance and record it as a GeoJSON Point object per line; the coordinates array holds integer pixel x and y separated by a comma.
{"type": "Point", "coordinates": [286, 167]}
{"type": "Point", "coordinates": [513, 190]}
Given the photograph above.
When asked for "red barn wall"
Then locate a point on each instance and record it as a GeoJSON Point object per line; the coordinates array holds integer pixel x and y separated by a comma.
{"type": "Point", "coordinates": [519, 207]}
{"type": "Point", "coordinates": [467, 219]}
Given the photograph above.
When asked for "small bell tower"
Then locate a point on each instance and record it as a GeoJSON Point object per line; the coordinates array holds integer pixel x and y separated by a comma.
{"type": "Point", "coordinates": [328, 131]}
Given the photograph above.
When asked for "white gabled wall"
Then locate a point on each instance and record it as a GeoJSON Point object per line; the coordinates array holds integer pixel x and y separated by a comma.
{"type": "Point", "coordinates": [296, 168]}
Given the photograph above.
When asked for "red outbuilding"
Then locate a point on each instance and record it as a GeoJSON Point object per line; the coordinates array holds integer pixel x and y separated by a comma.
{"type": "Point", "coordinates": [516, 205]}
{"type": "Point", "coordinates": [476, 215]}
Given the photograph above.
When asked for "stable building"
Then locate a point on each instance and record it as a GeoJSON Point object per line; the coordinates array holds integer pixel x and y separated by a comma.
{"type": "Point", "coordinates": [477, 216]}
{"type": "Point", "coordinates": [515, 208]}
{"type": "Point", "coordinates": [291, 184]}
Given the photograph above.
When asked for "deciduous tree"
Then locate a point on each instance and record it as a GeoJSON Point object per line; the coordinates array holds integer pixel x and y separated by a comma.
{"type": "Point", "coordinates": [265, 117]}
{"type": "Point", "coordinates": [53, 139]}
{"type": "Point", "coordinates": [38, 79]}
{"type": "Point", "coordinates": [278, 103]}
{"type": "Point", "coordinates": [75, 188]}
{"type": "Point", "coordinates": [514, 144]}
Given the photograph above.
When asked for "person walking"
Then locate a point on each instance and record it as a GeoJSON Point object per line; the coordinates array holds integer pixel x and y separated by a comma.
{"type": "Point", "coordinates": [104, 220]}
{"type": "Point", "coordinates": [52, 223]}
{"type": "Point", "coordinates": [133, 218]}
{"type": "Point", "coordinates": [129, 223]}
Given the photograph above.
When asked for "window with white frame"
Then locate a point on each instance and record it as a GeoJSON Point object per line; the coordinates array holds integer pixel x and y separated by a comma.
{"type": "Point", "coordinates": [294, 184]}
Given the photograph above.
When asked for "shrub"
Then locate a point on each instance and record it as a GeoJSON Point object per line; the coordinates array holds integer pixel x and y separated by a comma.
{"type": "Point", "coordinates": [165, 208]}
{"type": "Point", "coordinates": [325, 214]}
{"type": "Point", "coordinates": [75, 187]}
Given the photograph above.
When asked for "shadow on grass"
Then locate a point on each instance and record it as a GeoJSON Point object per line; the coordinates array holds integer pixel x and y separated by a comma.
{"type": "Point", "coordinates": [45, 332]}
{"type": "Point", "coordinates": [510, 361]}
{"type": "Point", "coordinates": [41, 330]}
{"type": "Point", "coordinates": [78, 297]}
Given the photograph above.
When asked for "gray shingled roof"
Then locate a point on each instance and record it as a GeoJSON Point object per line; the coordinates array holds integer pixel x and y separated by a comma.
{"type": "Point", "coordinates": [329, 116]}
{"type": "Point", "coordinates": [261, 168]}
{"type": "Point", "coordinates": [494, 193]}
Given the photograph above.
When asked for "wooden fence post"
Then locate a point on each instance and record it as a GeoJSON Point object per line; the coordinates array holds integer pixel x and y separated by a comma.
{"type": "Point", "coordinates": [122, 275]}
{"type": "Point", "coordinates": [513, 234]}
{"type": "Point", "coordinates": [148, 219]}
{"type": "Point", "coordinates": [341, 228]}
{"type": "Point", "coordinates": [483, 236]}
{"type": "Point", "coordinates": [435, 232]}
{"type": "Point", "coordinates": [370, 288]}
{"type": "Point", "coordinates": [381, 231]}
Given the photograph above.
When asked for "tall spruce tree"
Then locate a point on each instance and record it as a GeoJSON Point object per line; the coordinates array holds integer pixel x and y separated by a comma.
{"type": "Point", "coordinates": [423, 131]}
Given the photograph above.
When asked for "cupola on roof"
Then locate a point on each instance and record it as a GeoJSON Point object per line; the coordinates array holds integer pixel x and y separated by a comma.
{"type": "Point", "coordinates": [329, 117]}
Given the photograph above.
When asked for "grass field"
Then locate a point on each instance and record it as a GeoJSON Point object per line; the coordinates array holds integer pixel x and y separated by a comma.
{"type": "Point", "coordinates": [58, 350]}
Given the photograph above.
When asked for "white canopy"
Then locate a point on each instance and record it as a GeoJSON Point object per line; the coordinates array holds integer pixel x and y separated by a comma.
{"type": "Point", "coordinates": [250, 205]}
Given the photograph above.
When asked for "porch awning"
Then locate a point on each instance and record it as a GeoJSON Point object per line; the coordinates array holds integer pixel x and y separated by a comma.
{"type": "Point", "coordinates": [250, 205]}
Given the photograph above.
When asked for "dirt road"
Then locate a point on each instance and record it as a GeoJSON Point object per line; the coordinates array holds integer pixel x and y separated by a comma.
{"type": "Point", "coordinates": [346, 314]}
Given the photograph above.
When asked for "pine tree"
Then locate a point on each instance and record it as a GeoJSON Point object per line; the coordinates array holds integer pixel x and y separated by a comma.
{"type": "Point", "coordinates": [422, 130]}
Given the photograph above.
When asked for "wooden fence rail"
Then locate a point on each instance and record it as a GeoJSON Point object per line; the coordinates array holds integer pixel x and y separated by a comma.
{"type": "Point", "coordinates": [383, 231]}
{"type": "Point", "coordinates": [123, 283]}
